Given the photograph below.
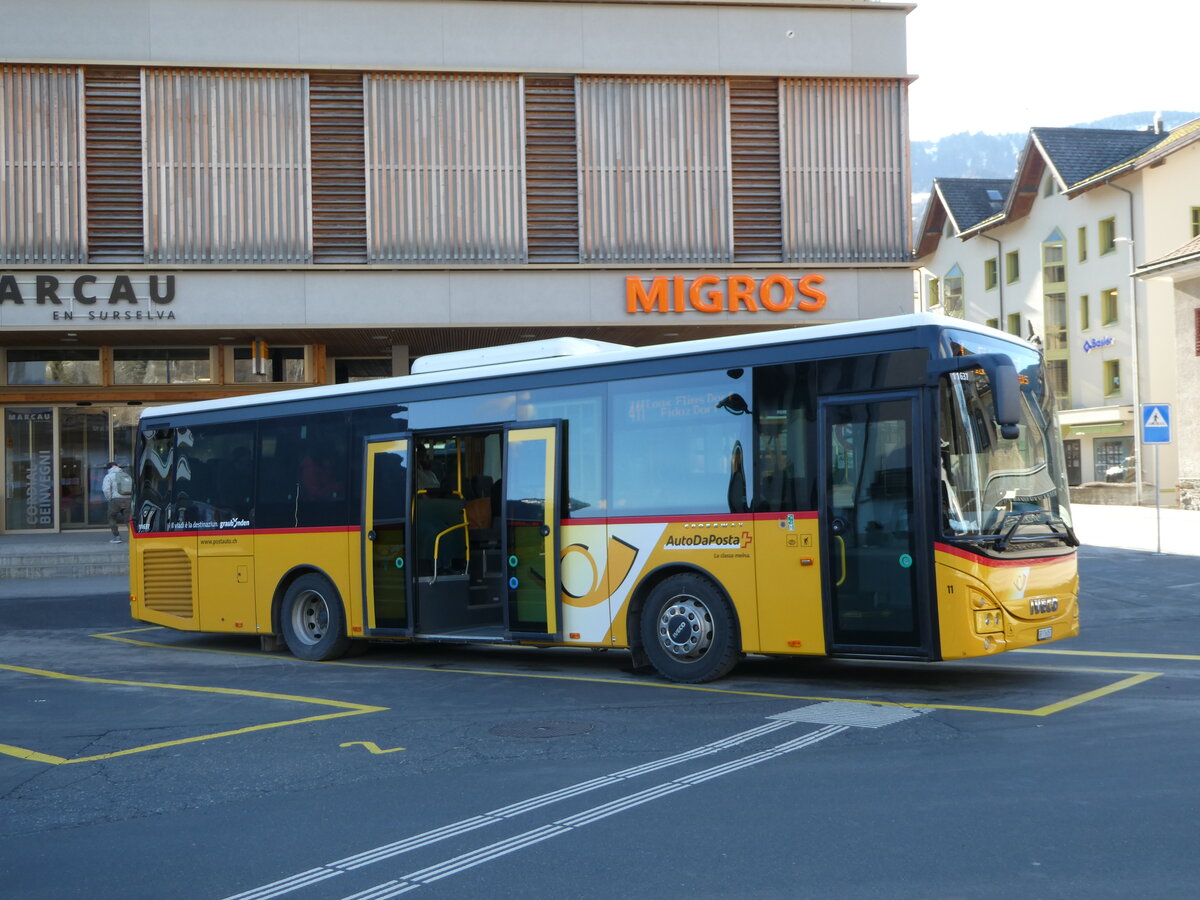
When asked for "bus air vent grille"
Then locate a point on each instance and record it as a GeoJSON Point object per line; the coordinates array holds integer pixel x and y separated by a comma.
{"type": "Point", "coordinates": [167, 582]}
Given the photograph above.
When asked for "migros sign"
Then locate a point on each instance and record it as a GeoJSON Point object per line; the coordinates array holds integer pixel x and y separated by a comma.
{"type": "Point", "coordinates": [732, 293]}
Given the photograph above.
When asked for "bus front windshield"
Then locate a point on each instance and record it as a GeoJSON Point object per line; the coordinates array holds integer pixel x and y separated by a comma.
{"type": "Point", "coordinates": [995, 489]}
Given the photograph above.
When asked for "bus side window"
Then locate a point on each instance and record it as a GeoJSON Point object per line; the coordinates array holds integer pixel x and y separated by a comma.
{"type": "Point", "coordinates": [784, 408]}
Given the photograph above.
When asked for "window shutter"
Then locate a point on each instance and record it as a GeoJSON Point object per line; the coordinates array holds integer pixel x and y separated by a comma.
{"type": "Point", "coordinates": [339, 174]}
{"type": "Point", "coordinates": [754, 142]}
{"type": "Point", "coordinates": [551, 169]}
{"type": "Point", "coordinates": [113, 137]}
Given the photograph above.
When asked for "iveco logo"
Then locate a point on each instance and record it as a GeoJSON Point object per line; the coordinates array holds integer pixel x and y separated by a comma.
{"type": "Point", "coordinates": [1043, 605]}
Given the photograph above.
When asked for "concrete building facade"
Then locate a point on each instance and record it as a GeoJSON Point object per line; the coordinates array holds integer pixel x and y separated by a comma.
{"type": "Point", "coordinates": [207, 198]}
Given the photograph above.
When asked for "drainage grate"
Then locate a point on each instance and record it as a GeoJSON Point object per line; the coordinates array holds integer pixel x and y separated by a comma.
{"type": "Point", "coordinates": [845, 712]}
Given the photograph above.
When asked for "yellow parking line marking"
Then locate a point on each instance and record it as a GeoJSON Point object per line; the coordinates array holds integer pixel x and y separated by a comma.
{"type": "Point", "coordinates": [1132, 678]}
{"type": "Point", "coordinates": [371, 746]}
{"type": "Point", "coordinates": [1190, 657]}
{"type": "Point", "coordinates": [348, 709]}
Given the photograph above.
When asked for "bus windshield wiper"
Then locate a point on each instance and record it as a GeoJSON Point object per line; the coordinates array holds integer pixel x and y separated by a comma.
{"type": "Point", "coordinates": [1002, 544]}
{"type": "Point", "coordinates": [1067, 535]}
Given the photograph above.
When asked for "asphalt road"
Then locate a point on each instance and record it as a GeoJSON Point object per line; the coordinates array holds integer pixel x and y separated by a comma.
{"type": "Point", "coordinates": [148, 763]}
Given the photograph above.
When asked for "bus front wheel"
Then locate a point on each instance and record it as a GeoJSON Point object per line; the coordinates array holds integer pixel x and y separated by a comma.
{"type": "Point", "coordinates": [688, 630]}
{"type": "Point", "coordinates": [312, 619]}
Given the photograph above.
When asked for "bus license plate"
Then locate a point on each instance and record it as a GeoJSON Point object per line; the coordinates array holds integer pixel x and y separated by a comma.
{"type": "Point", "coordinates": [1045, 633]}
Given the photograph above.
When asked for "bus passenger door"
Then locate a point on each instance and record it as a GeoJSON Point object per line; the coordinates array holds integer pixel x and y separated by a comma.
{"type": "Point", "coordinates": [871, 450]}
{"type": "Point", "coordinates": [531, 516]}
{"type": "Point", "coordinates": [385, 535]}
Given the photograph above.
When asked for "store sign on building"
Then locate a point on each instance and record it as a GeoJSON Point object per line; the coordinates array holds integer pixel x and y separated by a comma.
{"type": "Point", "coordinates": [1097, 344]}
{"type": "Point", "coordinates": [775, 293]}
{"type": "Point", "coordinates": [96, 298]}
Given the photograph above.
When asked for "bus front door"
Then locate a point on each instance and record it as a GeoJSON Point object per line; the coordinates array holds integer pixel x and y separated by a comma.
{"type": "Point", "coordinates": [531, 505]}
{"type": "Point", "coordinates": [870, 527]}
{"type": "Point", "coordinates": [385, 535]}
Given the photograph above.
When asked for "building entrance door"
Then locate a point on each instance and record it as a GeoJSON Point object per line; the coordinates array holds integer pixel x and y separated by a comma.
{"type": "Point", "coordinates": [82, 459]}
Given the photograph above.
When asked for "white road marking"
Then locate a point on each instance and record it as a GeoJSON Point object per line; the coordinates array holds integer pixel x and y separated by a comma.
{"type": "Point", "coordinates": [829, 713]}
{"type": "Point", "coordinates": [482, 855]}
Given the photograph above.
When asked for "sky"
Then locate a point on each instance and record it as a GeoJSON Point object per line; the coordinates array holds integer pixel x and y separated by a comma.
{"type": "Point", "coordinates": [1001, 66]}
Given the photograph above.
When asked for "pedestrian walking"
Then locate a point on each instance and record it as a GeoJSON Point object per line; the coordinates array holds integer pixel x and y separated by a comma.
{"type": "Point", "coordinates": [117, 487]}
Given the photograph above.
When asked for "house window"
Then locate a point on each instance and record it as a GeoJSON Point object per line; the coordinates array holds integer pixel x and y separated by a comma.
{"type": "Point", "coordinates": [1059, 378]}
{"type": "Point", "coordinates": [64, 367]}
{"type": "Point", "coordinates": [934, 296]}
{"type": "Point", "coordinates": [1108, 307]}
{"type": "Point", "coordinates": [991, 275]}
{"type": "Point", "coordinates": [168, 366]}
{"type": "Point", "coordinates": [1014, 324]}
{"type": "Point", "coordinates": [1114, 459]}
{"type": "Point", "coordinates": [995, 323]}
{"type": "Point", "coordinates": [284, 364]}
{"type": "Point", "coordinates": [1082, 243]}
{"type": "Point", "coordinates": [952, 293]}
{"type": "Point", "coordinates": [1108, 235]}
{"type": "Point", "coordinates": [1085, 312]}
{"type": "Point", "coordinates": [1054, 292]}
{"type": "Point", "coordinates": [1112, 377]}
{"type": "Point", "coordinates": [1012, 266]}
{"type": "Point", "coordinates": [1048, 187]}
{"type": "Point", "coordinates": [1196, 221]}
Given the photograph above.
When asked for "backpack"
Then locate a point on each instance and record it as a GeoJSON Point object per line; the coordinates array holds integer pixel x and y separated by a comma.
{"type": "Point", "coordinates": [124, 483]}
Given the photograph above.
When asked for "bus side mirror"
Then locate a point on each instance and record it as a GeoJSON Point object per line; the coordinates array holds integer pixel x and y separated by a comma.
{"type": "Point", "coordinates": [1001, 373]}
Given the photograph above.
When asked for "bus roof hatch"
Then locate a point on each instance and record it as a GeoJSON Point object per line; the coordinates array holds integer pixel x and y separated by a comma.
{"type": "Point", "coordinates": [510, 353]}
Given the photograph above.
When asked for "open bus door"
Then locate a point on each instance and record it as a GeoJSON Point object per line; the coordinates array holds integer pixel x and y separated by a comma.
{"type": "Point", "coordinates": [531, 515]}
{"type": "Point", "coordinates": [386, 535]}
{"type": "Point", "coordinates": [879, 602]}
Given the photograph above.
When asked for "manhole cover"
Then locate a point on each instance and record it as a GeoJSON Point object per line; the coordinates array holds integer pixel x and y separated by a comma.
{"type": "Point", "coordinates": [540, 729]}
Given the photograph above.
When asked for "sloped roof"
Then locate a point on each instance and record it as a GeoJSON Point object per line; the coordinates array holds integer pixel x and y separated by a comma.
{"type": "Point", "coordinates": [1187, 256]}
{"type": "Point", "coordinates": [1076, 154]}
{"type": "Point", "coordinates": [1176, 139]}
{"type": "Point", "coordinates": [963, 202]}
{"type": "Point", "coordinates": [968, 200]}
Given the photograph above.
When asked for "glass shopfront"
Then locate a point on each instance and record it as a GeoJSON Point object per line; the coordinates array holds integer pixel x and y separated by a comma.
{"type": "Point", "coordinates": [54, 463]}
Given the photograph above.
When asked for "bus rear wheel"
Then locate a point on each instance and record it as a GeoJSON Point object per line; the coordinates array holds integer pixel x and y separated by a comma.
{"type": "Point", "coordinates": [689, 631]}
{"type": "Point", "coordinates": [312, 619]}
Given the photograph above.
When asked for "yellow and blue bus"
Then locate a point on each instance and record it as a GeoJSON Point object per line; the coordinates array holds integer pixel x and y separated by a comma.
{"type": "Point", "coordinates": [885, 489]}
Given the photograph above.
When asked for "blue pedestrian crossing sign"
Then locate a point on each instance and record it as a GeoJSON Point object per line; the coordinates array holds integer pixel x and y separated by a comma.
{"type": "Point", "coordinates": [1156, 423]}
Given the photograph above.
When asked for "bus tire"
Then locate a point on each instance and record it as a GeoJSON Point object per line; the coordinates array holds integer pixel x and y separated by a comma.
{"type": "Point", "coordinates": [312, 619]}
{"type": "Point", "coordinates": [689, 631]}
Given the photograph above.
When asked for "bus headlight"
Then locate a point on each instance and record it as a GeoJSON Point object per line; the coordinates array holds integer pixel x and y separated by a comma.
{"type": "Point", "coordinates": [989, 621]}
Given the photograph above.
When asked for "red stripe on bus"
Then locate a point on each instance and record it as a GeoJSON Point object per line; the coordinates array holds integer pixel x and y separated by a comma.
{"type": "Point", "coordinates": [671, 520]}
{"type": "Point", "coordinates": [989, 561]}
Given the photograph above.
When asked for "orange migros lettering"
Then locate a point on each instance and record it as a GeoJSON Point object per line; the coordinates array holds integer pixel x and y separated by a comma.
{"type": "Point", "coordinates": [741, 290]}
{"type": "Point", "coordinates": [775, 293]}
{"type": "Point", "coordinates": [636, 296]}
{"type": "Point", "coordinates": [817, 297]}
{"type": "Point", "coordinates": [787, 293]}
{"type": "Point", "coordinates": [714, 301]}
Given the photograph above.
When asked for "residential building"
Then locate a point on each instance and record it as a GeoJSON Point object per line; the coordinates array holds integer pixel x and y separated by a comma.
{"type": "Point", "coordinates": [1180, 269]}
{"type": "Point", "coordinates": [1050, 256]}
{"type": "Point", "coordinates": [206, 199]}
